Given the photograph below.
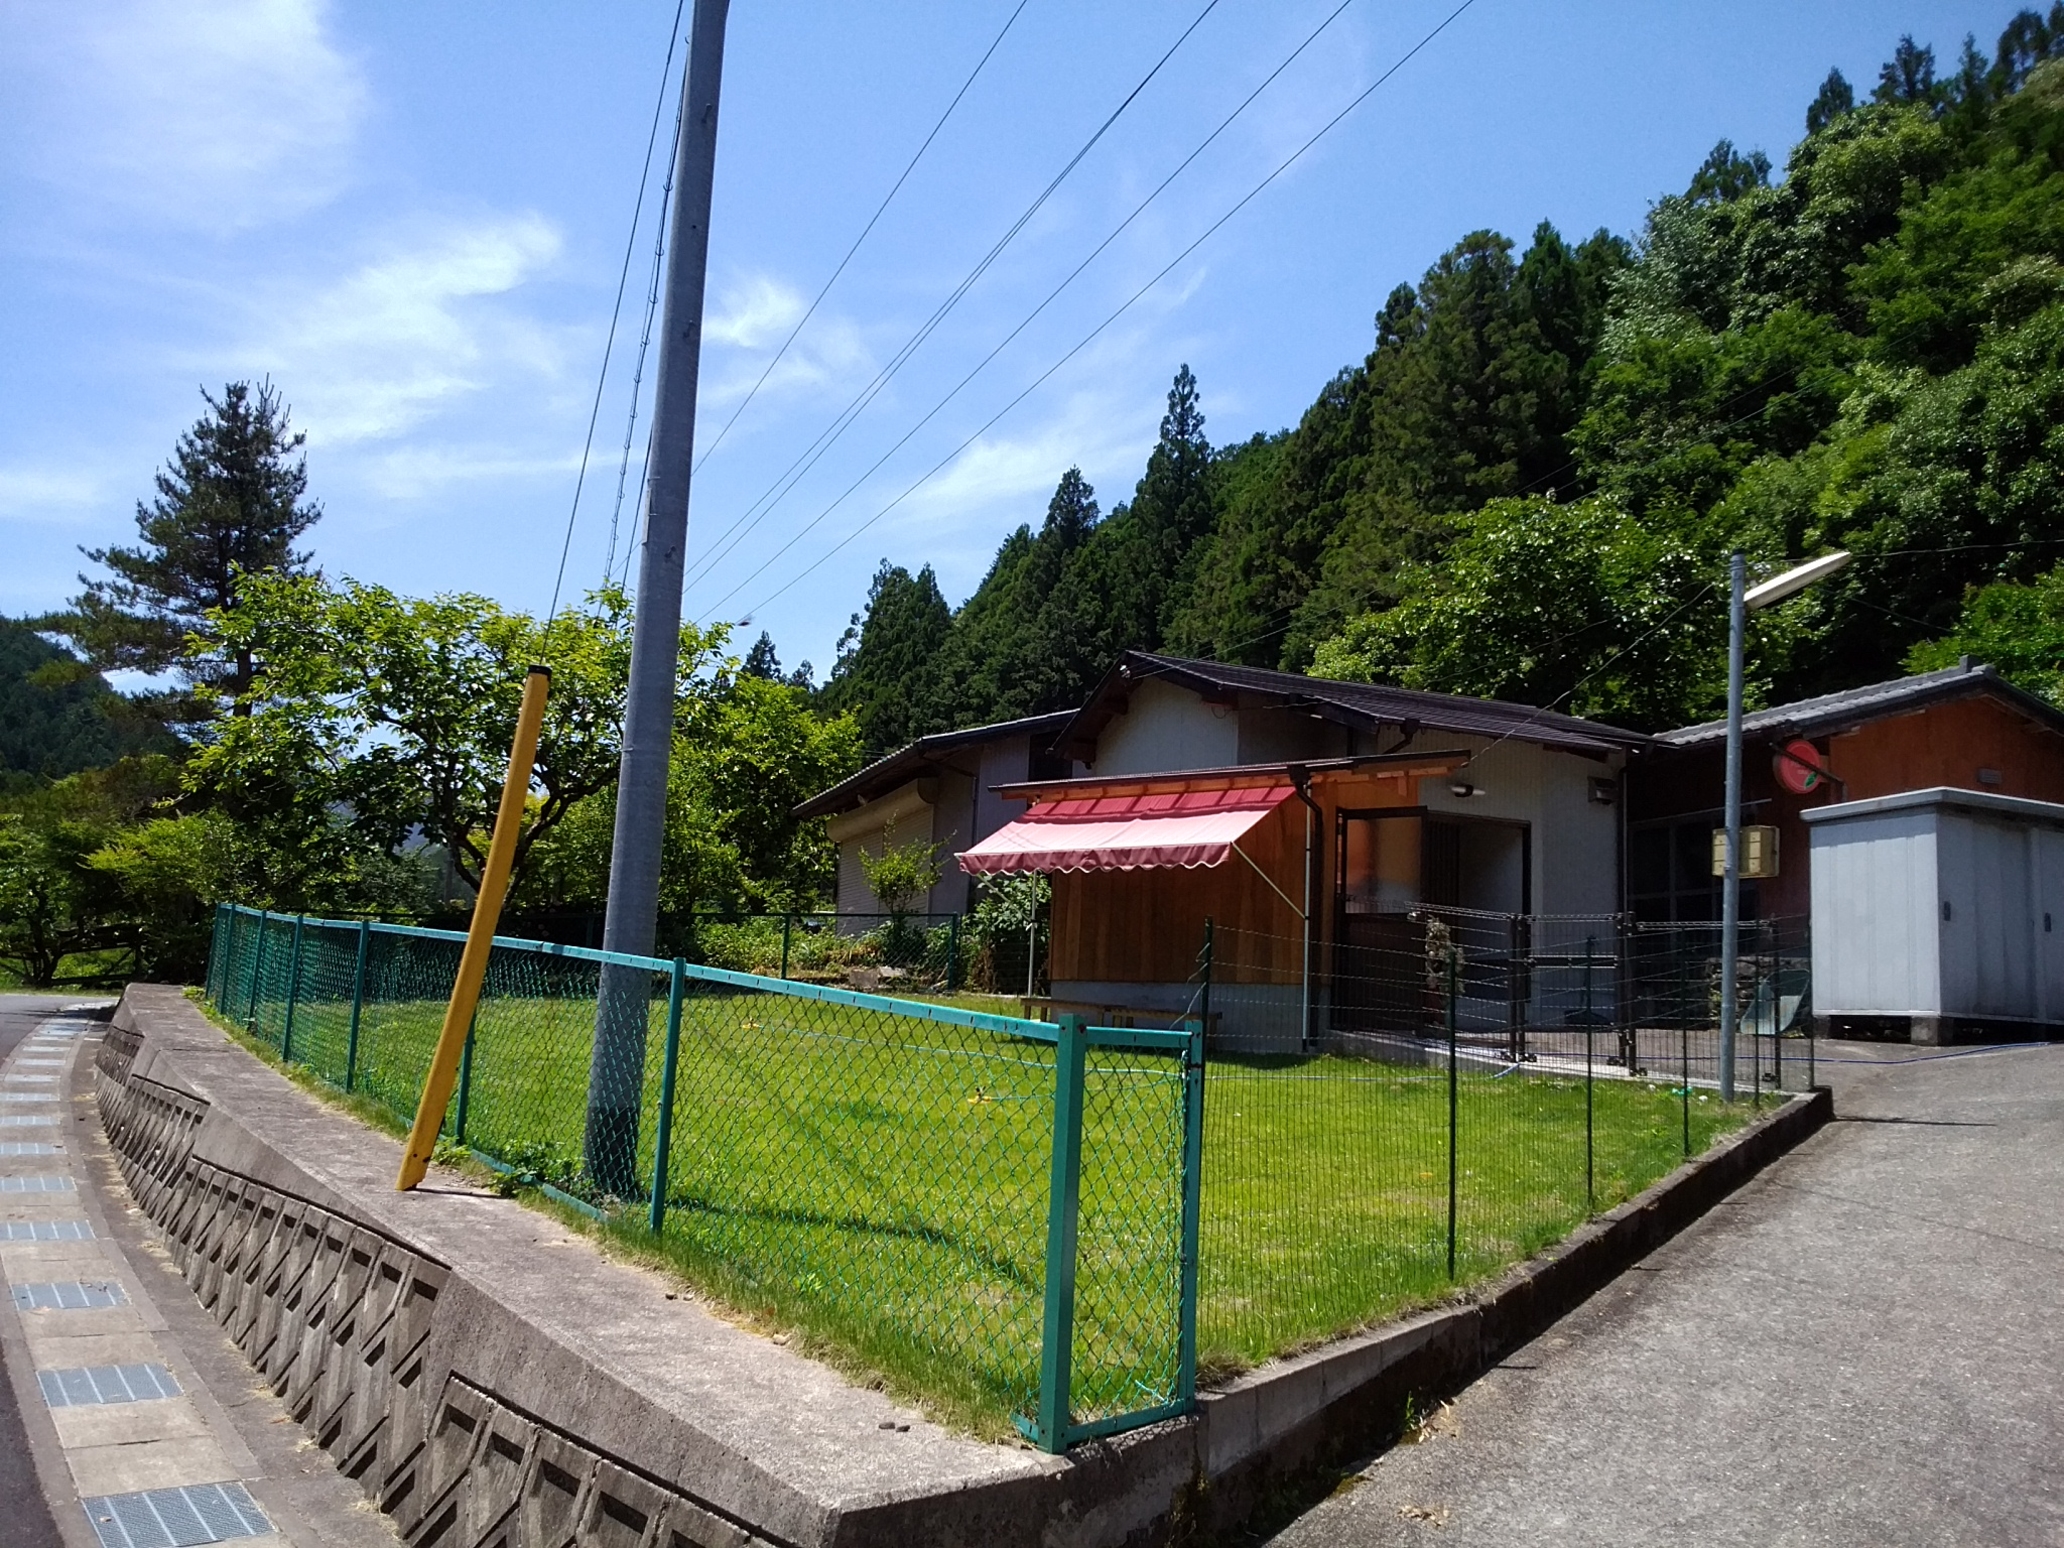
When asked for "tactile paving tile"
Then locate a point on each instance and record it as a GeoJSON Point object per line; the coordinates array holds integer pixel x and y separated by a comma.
{"type": "Point", "coordinates": [43, 1184]}
{"type": "Point", "coordinates": [88, 1385]}
{"type": "Point", "coordinates": [69, 1295]}
{"type": "Point", "coordinates": [25, 1096]}
{"type": "Point", "coordinates": [176, 1518]}
{"type": "Point", "coordinates": [46, 1231]}
{"type": "Point", "coordinates": [26, 1148]}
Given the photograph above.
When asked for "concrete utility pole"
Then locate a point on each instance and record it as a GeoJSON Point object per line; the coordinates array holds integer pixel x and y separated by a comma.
{"type": "Point", "coordinates": [616, 1072]}
{"type": "Point", "coordinates": [1730, 894]}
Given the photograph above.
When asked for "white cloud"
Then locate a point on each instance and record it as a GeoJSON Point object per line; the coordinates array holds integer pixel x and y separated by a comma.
{"type": "Point", "coordinates": [413, 472]}
{"type": "Point", "coordinates": [752, 317]}
{"type": "Point", "coordinates": [219, 116]}
{"type": "Point", "coordinates": [754, 313]}
{"type": "Point", "coordinates": [57, 495]}
{"type": "Point", "coordinates": [374, 354]}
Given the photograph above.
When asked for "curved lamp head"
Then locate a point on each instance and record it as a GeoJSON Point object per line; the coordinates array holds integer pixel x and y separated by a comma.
{"type": "Point", "coordinates": [1794, 581]}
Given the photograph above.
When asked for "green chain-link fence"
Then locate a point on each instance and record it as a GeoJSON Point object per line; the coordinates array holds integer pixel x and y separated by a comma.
{"type": "Point", "coordinates": [1052, 1220]}
{"type": "Point", "coordinates": [1000, 1208]}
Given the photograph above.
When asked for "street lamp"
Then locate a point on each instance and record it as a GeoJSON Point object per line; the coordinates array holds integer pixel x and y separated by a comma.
{"type": "Point", "coordinates": [1742, 597]}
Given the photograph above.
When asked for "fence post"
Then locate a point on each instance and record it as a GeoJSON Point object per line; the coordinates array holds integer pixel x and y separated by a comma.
{"type": "Point", "coordinates": [1590, 1143]}
{"type": "Point", "coordinates": [663, 1133]}
{"type": "Point", "coordinates": [787, 926]}
{"type": "Point", "coordinates": [1454, 1173]}
{"type": "Point", "coordinates": [952, 952]}
{"type": "Point", "coordinates": [365, 935]}
{"type": "Point", "coordinates": [1684, 1083]}
{"type": "Point", "coordinates": [1192, 1211]}
{"type": "Point", "coordinates": [293, 991]}
{"type": "Point", "coordinates": [257, 962]}
{"type": "Point", "coordinates": [465, 1078]}
{"type": "Point", "coordinates": [1063, 1206]}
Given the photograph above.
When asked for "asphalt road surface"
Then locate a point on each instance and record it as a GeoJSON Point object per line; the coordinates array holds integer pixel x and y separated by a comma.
{"type": "Point", "coordinates": [25, 1520]}
{"type": "Point", "coordinates": [1865, 1346]}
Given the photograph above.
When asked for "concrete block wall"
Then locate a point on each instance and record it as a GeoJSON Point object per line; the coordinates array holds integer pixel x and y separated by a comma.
{"type": "Point", "coordinates": [337, 1316]}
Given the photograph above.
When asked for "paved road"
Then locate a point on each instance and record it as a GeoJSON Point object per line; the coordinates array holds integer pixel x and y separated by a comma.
{"type": "Point", "coordinates": [1863, 1347]}
{"type": "Point", "coordinates": [25, 1520]}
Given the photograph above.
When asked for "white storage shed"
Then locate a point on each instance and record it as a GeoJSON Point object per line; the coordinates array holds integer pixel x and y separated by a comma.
{"type": "Point", "coordinates": [1939, 913]}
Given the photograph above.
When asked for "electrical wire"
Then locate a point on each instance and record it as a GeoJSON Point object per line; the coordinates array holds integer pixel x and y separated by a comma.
{"type": "Point", "coordinates": [623, 467]}
{"type": "Point", "coordinates": [880, 209]}
{"type": "Point", "coordinates": [760, 508]}
{"type": "Point", "coordinates": [666, 75]}
{"type": "Point", "coordinates": [716, 557]}
{"type": "Point", "coordinates": [1091, 336]}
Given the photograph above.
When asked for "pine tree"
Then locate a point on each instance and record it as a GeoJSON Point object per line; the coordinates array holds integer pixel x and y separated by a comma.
{"type": "Point", "coordinates": [1909, 75]}
{"type": "Point", "coordinates": [231, 501]}
{"type": "Point", "coordinates": [888, 671]}
{"type": "Point", "coordinates": [1835, 97]}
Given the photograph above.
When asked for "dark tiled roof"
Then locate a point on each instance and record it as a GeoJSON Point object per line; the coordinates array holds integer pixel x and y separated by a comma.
{"type": "Point", "coordinates": [1358, 704]}
{"type": "Point", "coordinates": [905, 763]}
{"type": "Point", "coordinates": [1854, 706]}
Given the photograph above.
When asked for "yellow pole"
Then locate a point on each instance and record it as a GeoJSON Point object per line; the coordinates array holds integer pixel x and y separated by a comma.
{"type": "Point", "coordinates": [487, 912]}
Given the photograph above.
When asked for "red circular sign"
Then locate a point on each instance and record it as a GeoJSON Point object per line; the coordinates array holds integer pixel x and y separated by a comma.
{"type": "Point", "coordinates": [1800, 767]}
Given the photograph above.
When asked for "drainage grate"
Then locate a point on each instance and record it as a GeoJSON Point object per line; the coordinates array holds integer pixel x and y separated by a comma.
{"type": "Point", "coordinates": [26, 1148]}
{"type": "Point", "coordinates": [46, 1231]}
{"type": "Point", "coordinates": [97, 1384]}
{"type": "Point", "coordinates": [24, 1120]}
{"type": "Point", "coordinates": [176, 1518]}
{"type": "Point", "coordinates": [70, 1295]}
{"type": "Point", "coordinates": [37, 1185]}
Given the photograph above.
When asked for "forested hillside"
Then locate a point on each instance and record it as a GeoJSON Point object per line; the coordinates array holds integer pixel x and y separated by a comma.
{"type": "Point", "coordinates": [58, 715]}
{"type": "Point", "coordinates": [1529, 485]}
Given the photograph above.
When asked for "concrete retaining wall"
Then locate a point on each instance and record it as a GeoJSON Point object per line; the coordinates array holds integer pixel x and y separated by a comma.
{"type": "Point", "coordinates": [495, 1384]}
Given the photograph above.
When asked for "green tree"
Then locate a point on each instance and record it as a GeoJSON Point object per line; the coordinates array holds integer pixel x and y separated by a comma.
{"type": "Point", "coordinates": [375, 723]}
{"type": "Point", "coordinates": [887, 676]}
{"type": "Point", "coordinates": [1909, 75]}
{"type": "Point", "coordinates": [232, 501]}
{"type": "Point", "coordinates": [2016, 628]}
{"type": "Point", "coordinates": [1834, 98]}
{"type": "Point", "coordinates": [1575, 607]}
{"type": "Point", "coordinates": [58, 715]}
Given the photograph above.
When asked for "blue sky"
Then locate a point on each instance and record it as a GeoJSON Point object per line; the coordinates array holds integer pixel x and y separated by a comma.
{"type": "Point", "coordinates": [412, 218]}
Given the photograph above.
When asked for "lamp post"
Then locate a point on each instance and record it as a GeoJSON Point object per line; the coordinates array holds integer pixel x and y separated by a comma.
{"type": "Point", "coordinates": [1743, 599]}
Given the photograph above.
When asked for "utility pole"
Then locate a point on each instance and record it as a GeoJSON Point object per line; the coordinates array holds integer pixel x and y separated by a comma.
{"type": "Point", "coordinates": [616, 1071]}
{"type": "Point", "coordinates": [1730, 893]}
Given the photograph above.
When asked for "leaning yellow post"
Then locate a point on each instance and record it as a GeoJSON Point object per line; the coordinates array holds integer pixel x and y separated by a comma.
{"type": "Point", "coordinates": [487, 912]}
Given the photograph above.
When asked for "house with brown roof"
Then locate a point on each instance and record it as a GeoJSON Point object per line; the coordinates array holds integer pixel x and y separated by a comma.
{"type": "Point", "coordinates": [938, 790]}
{"type": "Point", "coordinates": [1962, 728]}
{"type": "Point", "coordinates": [1322, 828]}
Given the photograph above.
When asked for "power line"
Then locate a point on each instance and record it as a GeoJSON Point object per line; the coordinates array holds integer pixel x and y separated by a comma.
{"type": "Point", "coordinates": [622, 279]}
{"type": "Point", "coordinates": [623, 467]}
{"type": "Point", "coordinates": [711, 561]}
{"type": "Point", "coordinates": [1095, 332]}
{"type": "Point", "coordinates": [753, 514]}
{"type": "Point", "coordinates": [896, 188]}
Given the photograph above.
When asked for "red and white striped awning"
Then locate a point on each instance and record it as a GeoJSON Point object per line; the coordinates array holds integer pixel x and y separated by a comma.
{"type": "Point", "coordinates": [1186, 828]}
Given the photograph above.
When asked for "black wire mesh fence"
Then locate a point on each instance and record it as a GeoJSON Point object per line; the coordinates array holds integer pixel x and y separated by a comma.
{"type": "Point", "coordinates": [1444, 1094]}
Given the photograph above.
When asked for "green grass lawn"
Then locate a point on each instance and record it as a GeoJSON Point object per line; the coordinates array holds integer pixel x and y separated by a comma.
{"type": "Point", "coordinates": [880, 1182]}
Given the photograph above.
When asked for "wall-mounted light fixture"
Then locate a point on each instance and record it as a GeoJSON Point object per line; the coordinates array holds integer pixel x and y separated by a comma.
{"type": "Point", "coordinates": [1462, 790]}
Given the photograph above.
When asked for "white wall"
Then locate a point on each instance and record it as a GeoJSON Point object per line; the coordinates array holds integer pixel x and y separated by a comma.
{"type": "Point", "coordinates": [1165, 728]}
{"type": "Point", "coordinates": [1576, 841]}
{"type": "Point", "coordinates": [1876, 915]}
